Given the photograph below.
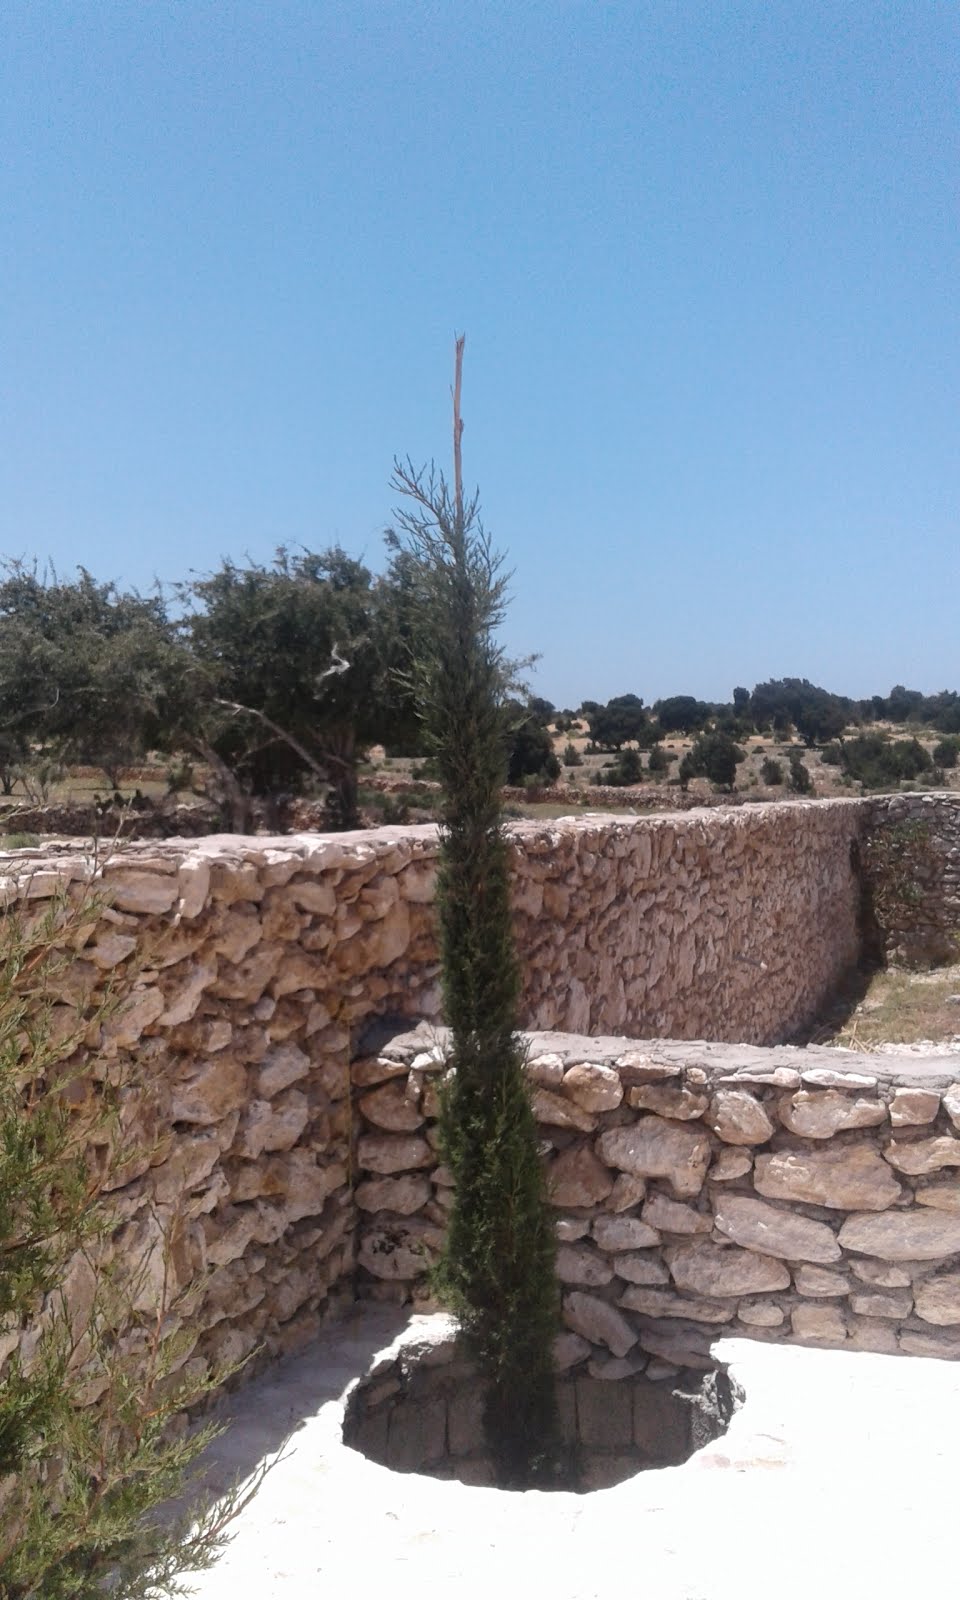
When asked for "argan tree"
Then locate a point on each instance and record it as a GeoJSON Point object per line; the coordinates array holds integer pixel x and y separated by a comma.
{"type": "Point", "coordinates": [498, 1267]}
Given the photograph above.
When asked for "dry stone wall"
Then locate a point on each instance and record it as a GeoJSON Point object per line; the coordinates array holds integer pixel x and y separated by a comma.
{"type": "Point", "coordinates": [914, 842]}
{"type": "Point", "coordinates": [700, 1189]}
{"type": "Point", "coordinates": [241, 972]}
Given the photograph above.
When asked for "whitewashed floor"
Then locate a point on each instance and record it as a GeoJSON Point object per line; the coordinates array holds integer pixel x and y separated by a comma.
{"type": "Point", "coordinates": [838, 1478]}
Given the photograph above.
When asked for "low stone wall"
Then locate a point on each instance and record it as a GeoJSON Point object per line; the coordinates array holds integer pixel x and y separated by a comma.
{"type": "Point", "coordinates": [800, 1195]}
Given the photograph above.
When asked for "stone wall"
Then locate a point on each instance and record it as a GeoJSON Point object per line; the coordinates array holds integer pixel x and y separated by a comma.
{"type": "Point", "coordinates": [914, 843]}
{"type": "Point", "coordinates": [241, 972]}
{"type": "Point", "coordinates": [801, 1195]}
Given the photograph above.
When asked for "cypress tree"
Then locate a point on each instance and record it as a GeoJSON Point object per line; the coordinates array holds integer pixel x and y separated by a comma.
{"type": "Point", "coordinates": [497, 1271]}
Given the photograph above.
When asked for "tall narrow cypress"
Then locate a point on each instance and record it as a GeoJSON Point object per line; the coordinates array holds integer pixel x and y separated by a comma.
{"type": "Point", "coordinates": [498, 1266]}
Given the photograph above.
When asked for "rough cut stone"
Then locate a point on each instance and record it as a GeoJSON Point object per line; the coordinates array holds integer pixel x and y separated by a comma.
{"type": "Point", "coordinates": [386, 1153]}
{"type": "Point", "coordinates": [760, 1313]}
{"type": "Point", "coordinates": [668, 1100]}
{"type": "Point", "coordinates": [624, 1233]}
{"type": "Point", "coordinates": [773, 1231]}
{"type": "Point", "coordinates": [399, 1250]}
{"type": "Point", "coordinates": [273, 1124]}
{"type": "Point", "coordinates": [730, 1164]}
{"type": "Point", "coordinates": [703, 1268]}
{"type": "Point", "coordinates": [820, 1283]}
{"type": "Point", "coordinates": [737, 1117]}
{"type": "Point", "coordinates": [879, 1273]}
{"type": "Point", "coordinates": [903, 1235]}
{"type": "Point", "coordinates": [827, 1078]}
{"type": "Point", "coordinates": [943, 1196]}
{"type": "Point", "coordinates": [392, 1107]}
{"type": "Point", "coordinates": [627, 1191]}
{"type": "Point", "coordinates": [284, 1064]}
{"type": "Point", "coordinates": [852, 1177]}
{"type": "Point", "coordinates": [547, 1070]}
{"type": "Point", "coordinates": [893, 1303]}
{"type": "Point", "coordinates": [937, 1299]}
{"type": "Point", "coordinates": [674, 1217]}
{"type": "Point", "coordinates": [212, 1090]}
{"type": "Point", "coordinates": [825, 1112]}
{"type": "Point", "coordinates": [657, 1303]}
{"type": "Point", "coordinates": [913, 1106]}
{"type": "Point", "coordinates": [593, 1087]}
{"type": "Point", "coordinates": [819, 1322]}
{"type": "Point", "coordinates": [569, 1229]}
{"type": "Point", "coordinates": [576, 1178]}
{"type": "Point", "coordinates": [641, 1267]}
{"type": "Point", "coordinates": [923, 1155]}
{"type": "Point", "coordinates": [557, 1112]}
{"type": "Point", "coordinates": [950, 1099]}
{"type": "Point", "coordinates": [579, 1264]}
{"type": "Point", "coordinates": [568, 1349]}
{"type": "Point", "coordinates": [940, 1345]}
{"type": "Point", "coordinates": [651, 1148]}
{"type": "Point", "coordinates": [404, 1195]}
{"type": "Point", "coordinates": [637, 1068]}
{"type": "Point", "coordinates": [599, 1322]}
{"type": "Point", "coordinates": [141, 891]}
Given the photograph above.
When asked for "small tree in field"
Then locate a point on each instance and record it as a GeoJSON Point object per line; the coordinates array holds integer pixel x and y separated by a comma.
{"type": "Point", "coordinates": [498, 1266]}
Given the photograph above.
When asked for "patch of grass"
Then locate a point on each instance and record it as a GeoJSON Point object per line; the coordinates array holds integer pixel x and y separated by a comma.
{"type": "Point", "coordinates": [19, 841]}
{"type": "Point", "coordinates": [901, 1007]}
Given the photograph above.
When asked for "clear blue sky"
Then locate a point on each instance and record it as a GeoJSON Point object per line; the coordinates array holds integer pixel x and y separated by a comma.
{"type": "Point", "coordinates": [706, 257]}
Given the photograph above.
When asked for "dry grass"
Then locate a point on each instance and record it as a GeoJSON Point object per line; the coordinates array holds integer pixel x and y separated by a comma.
{"type": "Point", "coordinates": [898, 1007]}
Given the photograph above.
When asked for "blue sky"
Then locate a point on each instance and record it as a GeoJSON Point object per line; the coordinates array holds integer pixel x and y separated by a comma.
{"type": "Point", "coordinates": [705, 255]}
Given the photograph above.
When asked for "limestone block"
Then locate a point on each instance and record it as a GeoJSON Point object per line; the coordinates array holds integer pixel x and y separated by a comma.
{"type": "Point", "coordinates": [903, 1235]}
{"type": "Point", "coordinates": [598, 1321]}
{"type": "Point", "coordinates": [139, 1011]}
{"type": "Point", "coordinates": [641, 1266]}
{"type": "Point", "coordinates": [546, 1070]}
{"type": "Point", "coordinates": [144, 892]}
{"type": "Point", "coordinates": [624, 1233]}
{"type": "Point", "coordinates": [821, 1114]}
{"type": "Point", "coordinates": [921, 1156]}
{"type": "Point", "coordinates": [937, 1299]}
{"type": "Point", "coordinates": [950, 1099]}
{"type": "Point", "coordinates": [403, 1195]}
{"type": "Point", "coordinates": [313, 895]}
{"type": "Point", "coordinates": [729, 1165]}
{"type": "Point", "coordinates": [285, 1064]}
{"type": "Point", "coordinates": [703, 1268]}
{"type": "Point", "coordinates": [939, 1345]}
{"type": "Point", "coordinates": [738, 1117]}
{"type": "Point", "coordinates": [627, 1191]}
{"type": "Point", "coordinates": [851, 1177]}
{"type": "Point", "coordinates": [673, 1217]}
{"type": "Point", "coordinates": [189, 1162]}
{"type": "Point", "coordinates": [389, 1153]}
{"type": "Point", "coordinates": [235, 932]}
{"type": "Point", "coordinates": [392, 1107]}
{"type": "Point", "coordinates": [879, 1273]}
{"type": "Point", "coordinates": [593, 1087]}
{"type": "Point", "coordinates": [568, 1349]}
{"type": "Point", "coordinates": [569, 1229]}
{"type": "Point", "coordinates": [188, 989]}
{"type": "Point", "coordinates": [556, 1111]}
{"type": "Point", "coordinates": [209, 1090]}
{"type": "Point", "coordinates": [376, 1069]}
{"type": "Point", "coordinates": [821, 1322]}
{"type": "Point", "coordinates": [909, 1107]}
{"type": "Point", "coordinates": [893, 1303]}
{"type": "Point", "coordinates": [247, 979]}
{"type": "Point", "coordinates": [658, 1303]}
{"type": "Point", "coordinates": [111, 948]}
{"type": "Point", "coordinates": [399, 1251]}
{"type": "Point", "coordinates": [942, 1196]}
{"type": "Point", "coordinates": [760, 1313]}
{"type": "Point", "coordinates": [774, 1231]}
{"type": "Point", "coordinates": [819, 1283]}
{"type": "Point", "coordinates": [578, 1263]}
{"type": "Point", "coordinates": [576, 1178]}
{"type": "Point", "coordinates": [827, 1078]}
{"type": "Point", "coordinates": [634, 1067]}
{"type": "Point", "coordinates": [272, 1124]}
{"type": "Point", "coordinates": [668, 1100]}
{"type": "Point", "coordinates": [653, 1148]}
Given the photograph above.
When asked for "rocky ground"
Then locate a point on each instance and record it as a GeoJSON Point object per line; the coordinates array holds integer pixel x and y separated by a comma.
{"type": "Point", "coordinates": [836, 1476]}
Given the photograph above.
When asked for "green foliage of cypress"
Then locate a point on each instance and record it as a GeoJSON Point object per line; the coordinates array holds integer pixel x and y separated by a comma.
{"type": "Point", "coordinates": [498, 1267]}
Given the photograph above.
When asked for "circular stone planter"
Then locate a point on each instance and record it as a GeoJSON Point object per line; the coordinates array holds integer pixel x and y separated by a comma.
{"type": "Point", "coordinates": [420, 1409]}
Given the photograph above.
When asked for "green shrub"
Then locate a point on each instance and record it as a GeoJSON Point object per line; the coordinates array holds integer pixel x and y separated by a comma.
{"type": "Point", "coordinates": [572, 756]}
{"type": "Point", "coordinates": [945, 753]}
{"type": "Point", "coordinates": [800, 779]}
{"type": "Point", "coordinates": [771, 772]}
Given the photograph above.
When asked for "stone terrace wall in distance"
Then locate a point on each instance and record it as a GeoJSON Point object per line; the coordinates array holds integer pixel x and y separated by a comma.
{"type": "Point", "coordinates": [807, 1196]}
{"type": "Point", "coordinates": [924, 929]}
